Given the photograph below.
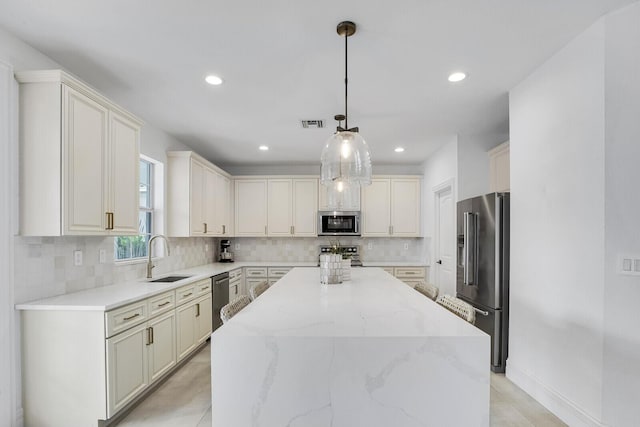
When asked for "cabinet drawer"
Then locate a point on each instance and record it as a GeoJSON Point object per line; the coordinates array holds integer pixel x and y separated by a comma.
{"type": "Point", "coordinates": [162, 303]}
{"type": "Point", "coordinates": [185, 293]}
{"type": "Point", "coordinates": [256, 272]}
{"type": "Point", "coordinates": [277, 272]}
{"type": "Point", "coordinates": [417, 272]}
{"type": "Point", "coordinates": [125, 317]}
{"type": "Point", "coordinates": [203, 287]}
{"type": "Point", "coordinates": [234, 274]}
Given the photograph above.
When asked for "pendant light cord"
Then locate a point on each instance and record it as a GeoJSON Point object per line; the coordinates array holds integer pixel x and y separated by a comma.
{"type": "Point", "coordinates": [346, 81]}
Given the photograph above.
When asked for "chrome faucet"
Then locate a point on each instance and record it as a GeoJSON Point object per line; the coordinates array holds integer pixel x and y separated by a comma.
{"type": "Point", "coordinates": [150, 265]}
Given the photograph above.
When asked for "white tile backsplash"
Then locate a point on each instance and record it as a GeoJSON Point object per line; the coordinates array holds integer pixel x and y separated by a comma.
{"type": "Point", "coordinates": [44, 265]}
{"type": "Point", "coordinates": [306, 249]}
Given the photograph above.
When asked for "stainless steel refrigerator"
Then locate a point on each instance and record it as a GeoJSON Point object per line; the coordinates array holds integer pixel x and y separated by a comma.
{"type": "Point", "coordinates": [482, 272]}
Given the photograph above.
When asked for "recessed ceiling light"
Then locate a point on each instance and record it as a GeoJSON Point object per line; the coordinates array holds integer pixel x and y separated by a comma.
{"type": "Point", "coordinates": [457, 76]}
{"type": "Point", "coordinates": [399, 150]}
{"type": "Point", "coordinates": [263, 148]}
{"type": "Point", "coordinates": [213, 80]}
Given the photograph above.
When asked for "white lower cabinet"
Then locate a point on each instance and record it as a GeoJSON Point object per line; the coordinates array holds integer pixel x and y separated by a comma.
{"type": "Point", "coordinates": [127, 367]}
{"type": "Point", "coordinates": [162, 348]}
{"type": "Point", "coordinates": [194, 319]}
{"type": "Point", "coordinates": [80, 367]}
{"type": "Point", "coordinates": [271, 275]}
{"type": "Point", "coordinates": [236, 284]}
{"type": "Point", "coordinates": [137, 358]}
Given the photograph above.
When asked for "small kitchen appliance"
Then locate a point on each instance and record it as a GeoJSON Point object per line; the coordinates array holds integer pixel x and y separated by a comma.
{"type": "Point", "coordinates": [225, 254]}
{"type": "Point", "coordinates": [332, 223]}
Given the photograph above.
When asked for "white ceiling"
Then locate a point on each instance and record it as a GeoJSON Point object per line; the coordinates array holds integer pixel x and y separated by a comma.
{"type": "Point", "coordinates": [282, 61]}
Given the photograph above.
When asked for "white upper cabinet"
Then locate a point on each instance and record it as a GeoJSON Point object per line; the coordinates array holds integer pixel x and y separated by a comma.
{"type": "Point", "coordinates": [199, 202]}
{"type": "Point", "coordinates": [276, 207]}
{"type": "Point", "coordinates": [305, 207]}
{"type": "Point", "coordinates": [79, 159]}
{"type": "Point", "coordinates": [251, 207]}
{"type": "Point", "coordinates": [280, 201]}
{"type": "Point", "coordinates": [124, 169]}
{"type": "Point", "coordinates": [499, 168]}
{"type": "Point", "coordinates": [222, 211]}
{"type": "Point", "coordinates": [376, 212]}
{"type": "Point", "coordinates": [405, 207]}
{"type": "Point", "coordinates": [391, 207]}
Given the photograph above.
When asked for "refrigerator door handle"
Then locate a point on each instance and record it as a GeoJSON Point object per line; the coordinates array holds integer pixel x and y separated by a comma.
{"type": "Point", "coordinates": [469, 250]}
{"type": "Point", "coordinates": [481, 312]}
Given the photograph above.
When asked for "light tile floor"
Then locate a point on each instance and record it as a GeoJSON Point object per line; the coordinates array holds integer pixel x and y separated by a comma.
{"type": "Point", "coordinates": [184, 400]}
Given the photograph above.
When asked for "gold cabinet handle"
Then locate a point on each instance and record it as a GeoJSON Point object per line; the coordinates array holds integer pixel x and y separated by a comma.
{"type": "Point", "coordinates": [224, 229]}
{"type": "Point", "coordinates": [198, 310]}
{"type": "Point", "coordinates": [187, 295]}
{"type": "Point", "coordinates": [151, 328]}
{"type": "Point", "coordinates": [109, 220]}
{"type": "Point", "coordinates": [164, 303]}
{"type": "Point", "coordinates": [205, 227]}
{"type": "Point", "coordinates": [291, 229]}
{"type": "Point", "coordinates": [131, 317]}
{"type": "Point", "coordinates": [148, 336]}
{"type": "Point", "coordinates": [106, 220]}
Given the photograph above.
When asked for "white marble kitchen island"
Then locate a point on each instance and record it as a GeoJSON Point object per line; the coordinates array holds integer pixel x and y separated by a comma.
{"type": "Point", "coordinates": [368, 352]}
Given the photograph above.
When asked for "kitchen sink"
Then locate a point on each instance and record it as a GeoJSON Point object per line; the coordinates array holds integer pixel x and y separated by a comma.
{"type": "Point", "coordinates": [169, 279]}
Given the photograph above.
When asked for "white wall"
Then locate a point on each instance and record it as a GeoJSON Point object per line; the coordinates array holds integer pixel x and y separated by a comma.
{"type": "Point", "coordinates": [557, 230]}
{"type": "Point", "coordinates": [621, 400]}
{"type": "Point", "coordinates": [439, 168]}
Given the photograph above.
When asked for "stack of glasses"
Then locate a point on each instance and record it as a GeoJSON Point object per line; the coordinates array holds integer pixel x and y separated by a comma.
{"type": "Point", "coordinates": [330, 269]}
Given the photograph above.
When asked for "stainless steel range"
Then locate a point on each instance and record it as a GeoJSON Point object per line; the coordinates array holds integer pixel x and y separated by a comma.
{"type": "Point", "coordinates": [352, 252]}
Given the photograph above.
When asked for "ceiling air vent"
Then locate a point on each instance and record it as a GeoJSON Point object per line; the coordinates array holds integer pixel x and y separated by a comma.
{"type": "Point", "coordinates": [312, 124]}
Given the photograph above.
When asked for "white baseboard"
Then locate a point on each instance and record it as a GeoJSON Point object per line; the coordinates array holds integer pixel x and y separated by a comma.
{"type": "Point", "coordinates": [555, 402]}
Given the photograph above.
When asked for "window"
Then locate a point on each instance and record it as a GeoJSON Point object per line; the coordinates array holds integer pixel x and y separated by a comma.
{"type": "Point", "coordinates": [132, 247]}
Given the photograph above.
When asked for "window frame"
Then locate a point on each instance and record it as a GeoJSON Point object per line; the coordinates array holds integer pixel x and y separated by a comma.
{"type": "Point", "coordinates": [154, 178]}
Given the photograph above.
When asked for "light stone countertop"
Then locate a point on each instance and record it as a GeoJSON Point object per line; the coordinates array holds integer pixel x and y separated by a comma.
{"type": "Point", "coordinates": [371, 304]}
{"type": "Point", "coordinates": [107, 298]}
{"type": "Point", "coordinates": [368, 352]}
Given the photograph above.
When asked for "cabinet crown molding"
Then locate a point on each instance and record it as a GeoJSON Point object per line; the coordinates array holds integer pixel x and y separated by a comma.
{"type": "Point", "coordinates": [61, 76]}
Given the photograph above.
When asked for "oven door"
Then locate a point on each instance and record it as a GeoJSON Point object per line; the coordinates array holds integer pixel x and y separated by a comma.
{"type": "Point", "coordinates": [338, 223]}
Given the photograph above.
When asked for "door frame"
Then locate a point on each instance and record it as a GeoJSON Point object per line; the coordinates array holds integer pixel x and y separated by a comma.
{"type": "Point", "coordinates": [10, 368]}
{"type": "Point", "coordinates": [446, 185]}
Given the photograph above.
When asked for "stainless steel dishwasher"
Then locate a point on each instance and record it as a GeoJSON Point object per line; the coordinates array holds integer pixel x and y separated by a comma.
{"type": "Point", "coordinates": [220, 296]}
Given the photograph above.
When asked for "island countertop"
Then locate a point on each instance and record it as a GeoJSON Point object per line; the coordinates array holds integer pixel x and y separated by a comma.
{"type": "Point", "coordinates": [368, 352]}
{"type": "Point", "coordinates": [371, 304]}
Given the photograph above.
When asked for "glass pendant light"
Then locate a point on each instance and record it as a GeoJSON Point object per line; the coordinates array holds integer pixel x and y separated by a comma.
{"type": "Point", "coordinates": [345, 158]}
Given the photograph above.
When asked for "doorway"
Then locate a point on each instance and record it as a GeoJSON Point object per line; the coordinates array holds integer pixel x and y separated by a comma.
{"type": "Point", "coordinates": [444, 242]}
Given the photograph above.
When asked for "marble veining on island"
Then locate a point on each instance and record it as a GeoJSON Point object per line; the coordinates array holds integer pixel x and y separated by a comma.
{"type": "Point", "coordinates": [368, 352]}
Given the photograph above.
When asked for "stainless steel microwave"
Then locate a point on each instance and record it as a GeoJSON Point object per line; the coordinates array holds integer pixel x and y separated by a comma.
{"type": "Point", "coordinates": [331, 223]}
